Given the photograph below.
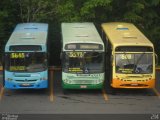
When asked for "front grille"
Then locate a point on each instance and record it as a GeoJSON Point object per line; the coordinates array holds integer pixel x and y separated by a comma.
{"type": "Point", "coordinates": [131, 85]}
{"type": "Point", "coordinates": [133, 80]}
{"type": "Point", "coordinates": [83, 81]}
{"type": "Point", "coordinates": [26, 80]}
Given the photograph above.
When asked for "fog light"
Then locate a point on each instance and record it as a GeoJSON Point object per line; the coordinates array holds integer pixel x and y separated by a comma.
{"type": "Point", "coordinates": [9, 79]}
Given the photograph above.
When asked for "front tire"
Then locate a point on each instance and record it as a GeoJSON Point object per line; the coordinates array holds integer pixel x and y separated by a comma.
{"type": "Point", "coordinates": [65, 91]}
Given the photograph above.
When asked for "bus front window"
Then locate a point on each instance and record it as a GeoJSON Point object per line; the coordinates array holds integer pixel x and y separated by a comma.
{"type": "Point", "coordinates": [26, 62]}
{"type": "Point", "coordinates": [83, 62]}
{"type": "Point", "coordinates": [141, 63]}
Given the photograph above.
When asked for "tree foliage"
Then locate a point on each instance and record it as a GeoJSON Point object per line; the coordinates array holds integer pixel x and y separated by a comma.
{"type": "Point", "coordinates": [35, 10]}
{"type": "Point", "coordinates": [143, 13]}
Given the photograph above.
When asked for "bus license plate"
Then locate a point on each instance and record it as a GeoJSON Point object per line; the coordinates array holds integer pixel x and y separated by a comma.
{"type": "Point", "coordinates": [134, 84]}
{"type": "Point", "coordinates": [25, 84]}
{"type": "Point", "coordinates": [83, 86]}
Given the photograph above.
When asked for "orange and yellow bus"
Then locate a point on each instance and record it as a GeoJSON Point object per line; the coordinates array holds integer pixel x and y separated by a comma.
{"type": "Point", "coordinates": [130, 58]}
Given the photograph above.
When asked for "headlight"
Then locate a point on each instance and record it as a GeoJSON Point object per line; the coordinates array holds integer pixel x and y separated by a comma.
{"type": "Point", "coordinates": [67, 81]}
{"type": "Point", "coordinates": [9, 79]}
{"type": "Point", "coordinates": [99, 81]}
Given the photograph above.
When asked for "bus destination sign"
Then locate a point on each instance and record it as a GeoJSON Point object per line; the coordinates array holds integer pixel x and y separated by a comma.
{"type": "Point", "coordinates": [83, 46]}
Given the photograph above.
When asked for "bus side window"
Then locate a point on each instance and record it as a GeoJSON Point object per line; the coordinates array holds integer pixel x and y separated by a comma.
{"type": "Point", "coordinates": [105, 40]}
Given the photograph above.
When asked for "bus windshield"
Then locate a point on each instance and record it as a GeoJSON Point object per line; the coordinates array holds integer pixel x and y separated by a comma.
{"type": "Point", "coordinates": [26, 62]}
{"type": "Point", "coordinates": [129, 63]}
{"type": "Point", "coordinates": [83, 62]}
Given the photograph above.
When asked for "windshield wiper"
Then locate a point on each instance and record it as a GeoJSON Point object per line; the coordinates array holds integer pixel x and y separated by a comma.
{"type": "Point", "coordinates": [136, 69]}
{"type": "Point", "coordinates": [126, 57]}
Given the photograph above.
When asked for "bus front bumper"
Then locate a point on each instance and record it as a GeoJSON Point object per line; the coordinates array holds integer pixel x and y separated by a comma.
{"type": "Point", "coordinates": [117, 83]}
{"type": "Point", "coordinates": [37, 85]}
{"type": "Point", "coordinates": [82, 86]}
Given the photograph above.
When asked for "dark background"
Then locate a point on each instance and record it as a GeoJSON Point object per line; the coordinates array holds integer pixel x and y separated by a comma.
{"type": "Point", "coordinates": [143, 13]}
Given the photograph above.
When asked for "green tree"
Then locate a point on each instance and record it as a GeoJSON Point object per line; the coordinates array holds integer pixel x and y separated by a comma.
{"type": "Point", "coordinates": [8, 18]}
{"type": "Point", "coordinates": [82, 10]}
{"type": "Point", "coordinates": [143, 13]}
{"type": "Point", "coordinates": [35, 10]}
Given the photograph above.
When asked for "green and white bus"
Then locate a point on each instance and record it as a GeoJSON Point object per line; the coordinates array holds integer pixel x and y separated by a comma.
{"type": "Point", "coordinates": [82, 56]}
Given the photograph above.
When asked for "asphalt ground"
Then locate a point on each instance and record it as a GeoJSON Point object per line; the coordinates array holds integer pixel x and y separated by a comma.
{"type": "Point", "coordinates": [94, 102]}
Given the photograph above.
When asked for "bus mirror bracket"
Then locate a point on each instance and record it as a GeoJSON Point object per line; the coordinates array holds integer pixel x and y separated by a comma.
{"type": "Point", "coordinates": [156, 56]}
{"type": "Point", "coordinates": [61, 55]}
{"type": "Point", "coordinates": [111, 58]}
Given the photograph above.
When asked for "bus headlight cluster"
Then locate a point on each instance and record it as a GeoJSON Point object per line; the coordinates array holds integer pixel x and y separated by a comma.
{"type": "Point", "coordinates": [98, 81]}
{"type": "Point", "coordinates": [9, 79]}
{"type": "Point", "coordinates": [67, 81]}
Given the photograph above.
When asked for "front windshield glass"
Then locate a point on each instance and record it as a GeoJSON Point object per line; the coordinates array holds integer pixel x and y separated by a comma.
{"type": "Point", "coordinates": [83, 62]}
{"type": "Point", "coordinates": [140, 63]}
{"type": "Point", "coordinates": [26, 62]}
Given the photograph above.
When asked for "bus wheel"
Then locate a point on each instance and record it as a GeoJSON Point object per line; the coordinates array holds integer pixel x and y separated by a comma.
{"type": "Point", "coordinates": [65, 91]}
{"type": "Point", "coordinates": [113, 91]}
{"type": "Point", "coordinates": [110, 89]}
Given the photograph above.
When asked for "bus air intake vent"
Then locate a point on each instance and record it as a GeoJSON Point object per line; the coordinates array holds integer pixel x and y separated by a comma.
{"type": "Point", "coordinates": [81, 35]}
{"type": "Point", "coordinates": [29, 38]}
{"type": "Point", "coordinates": [128, 35]}
{"type": "Point", "coordinates": [121, 27]}
{"type": "Point", "coordinates": [78, 27]}
{"type": "Point", "coordinates": [31, 28]}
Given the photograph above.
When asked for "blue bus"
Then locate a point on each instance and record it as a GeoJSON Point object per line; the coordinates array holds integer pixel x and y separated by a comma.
{"type": "Point", "coordinates": [26, 53]}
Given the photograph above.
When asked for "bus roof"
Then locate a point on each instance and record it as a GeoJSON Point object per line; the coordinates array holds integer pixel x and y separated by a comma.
{"type": "Point", "coordinates": [32, 27]}
{"type": "Point", "coordinates": [84, 32]}
{"type": "Point", "coordinates": [29, 34]}
{"type": "Point", "coordinates": [121, 34]}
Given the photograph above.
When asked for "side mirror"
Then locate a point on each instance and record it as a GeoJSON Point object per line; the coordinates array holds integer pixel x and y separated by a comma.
{"type": "Point", "coordinates": [111, 58]}
{"type": "Point", "coordinates": [156, 59]}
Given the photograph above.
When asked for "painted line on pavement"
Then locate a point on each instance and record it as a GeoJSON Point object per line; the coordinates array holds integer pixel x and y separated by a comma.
{"type": "Point", "coordinates": [51, 97]}
{"type": "Point", "coordinates": [1, 93]}
{"type": "Point", "coordinates": [156, 92]}
{"type": "Point", "coordinates": [105, 95]}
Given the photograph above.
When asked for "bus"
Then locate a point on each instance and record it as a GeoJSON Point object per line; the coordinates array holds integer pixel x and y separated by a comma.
{"type": "Point", "coordinates": [82, 56]}
{"type": "Point", "coordinates": [26, 63]}
{"type": "Point", "coordinates": [130, 59]}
